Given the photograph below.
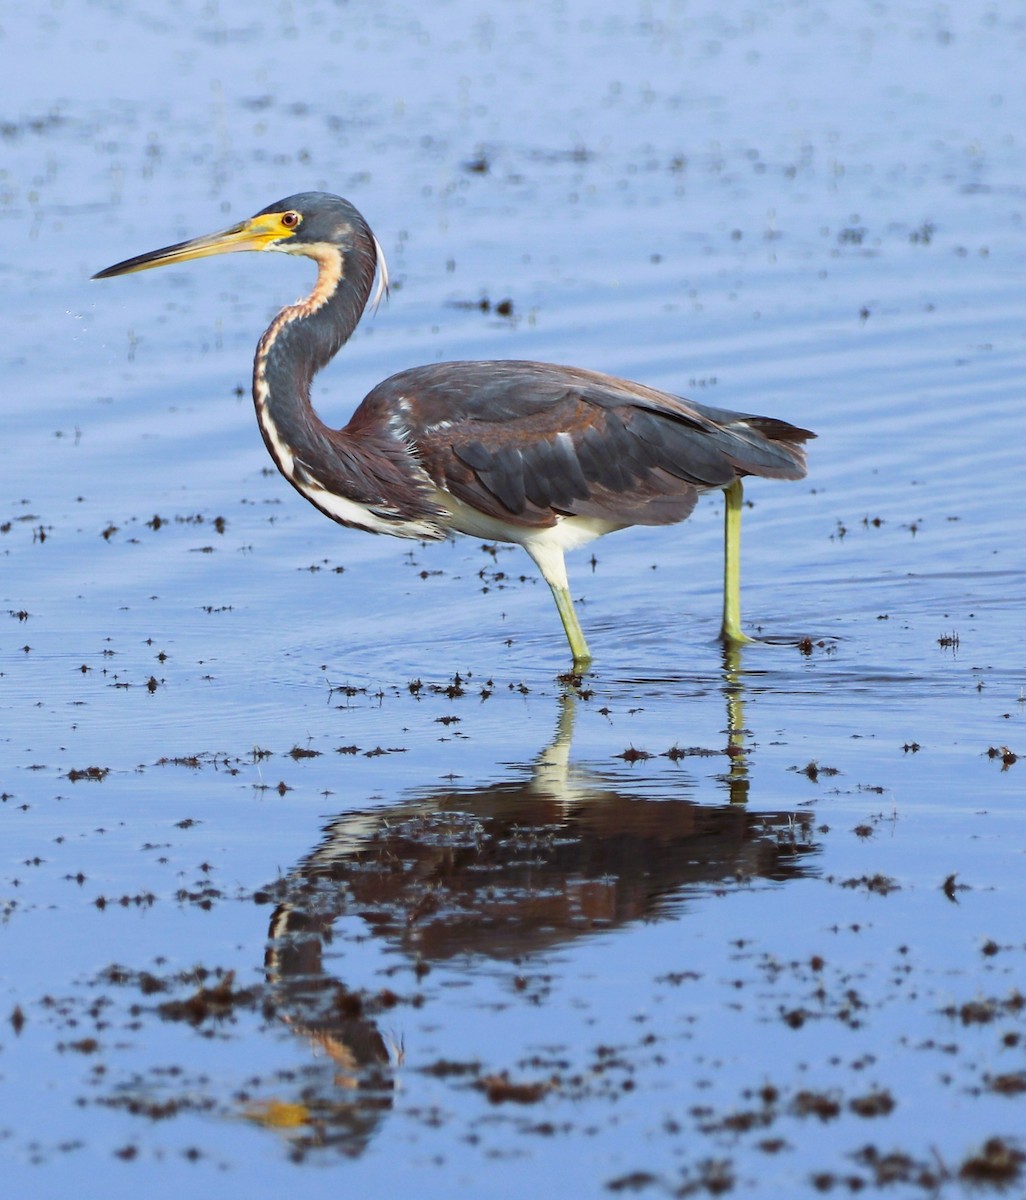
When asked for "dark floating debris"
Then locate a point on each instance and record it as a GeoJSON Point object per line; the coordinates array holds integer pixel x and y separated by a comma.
{"type": "Point", "coordinates": [632, 755]}
{"type": "Point", "coordinates": [480, 164]}
{"type": "Point", "coordinates": [500, 1089]}
{"type": "Point", "coordinates": [823, 1105]}
{"type": "Point", "coordinates": [142, 900]}
{"type": "Point", "coordinates": [1010, 1083]}
{"type": "Point", "coordinates": [96, 774]}
{"type": "Point", "coordinates": [281, 787]}
{"type": "Point", "coordinates": [883, 885]}
{"type": "Point", "coordinates": [894, 1167]}
{"type": "Point", "coordinates": [872, 1104]}
{"type": "Point", "coordinates": [676, 753]}
{"type": "Point", "coordinates": [997, 1162]}
{"type": "Point", "coordinates": [501, 308]}
{"type": "Point", "coordinates": [813, 770]}
{"type": "Point", "coordinates": [446, 1068]}
{"type": "Point", "coordinates": [983, 1012]}
{"type": "Point", "coordinates": [298, 752]}
{"type": "Point", "coordinates": [950, 888]}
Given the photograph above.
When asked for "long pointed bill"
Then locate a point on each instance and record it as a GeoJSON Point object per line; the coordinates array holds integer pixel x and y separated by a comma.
{"type": "Point", "coordinates": [256, 233]}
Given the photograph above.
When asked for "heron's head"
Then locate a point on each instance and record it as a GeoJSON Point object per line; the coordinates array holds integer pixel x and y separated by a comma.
{"type": "Point", "coordinates": [313, 224]}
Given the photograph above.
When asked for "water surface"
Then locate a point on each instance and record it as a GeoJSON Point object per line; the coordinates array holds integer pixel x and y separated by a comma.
{"type": "Point", "coordinates": [316, 876]}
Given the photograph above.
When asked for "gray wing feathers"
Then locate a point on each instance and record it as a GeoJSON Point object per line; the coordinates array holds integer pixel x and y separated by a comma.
{"type": "Point", "coordinates": [529, 442]}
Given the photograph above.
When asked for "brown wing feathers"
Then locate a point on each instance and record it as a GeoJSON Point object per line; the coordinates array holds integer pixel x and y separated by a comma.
{"type": "Point", "coordinates": [529, 442]}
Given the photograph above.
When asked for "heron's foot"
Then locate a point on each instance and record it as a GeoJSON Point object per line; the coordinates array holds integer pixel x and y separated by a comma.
{"type": "Point", "coordinates": [731, 634]}
{"type": "Point", "coordinates": [582, 663]}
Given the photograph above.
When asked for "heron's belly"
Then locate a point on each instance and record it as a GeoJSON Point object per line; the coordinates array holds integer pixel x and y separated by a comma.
{"type": "Point", "coordinates": [566, 534]}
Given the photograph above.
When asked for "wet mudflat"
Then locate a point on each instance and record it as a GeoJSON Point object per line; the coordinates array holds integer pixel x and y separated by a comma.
{"type": "Point", "coordinates": [318, 873]}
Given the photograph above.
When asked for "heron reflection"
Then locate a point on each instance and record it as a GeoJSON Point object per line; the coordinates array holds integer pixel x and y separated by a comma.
{"type": "Point", "coordinates": [556, 852]}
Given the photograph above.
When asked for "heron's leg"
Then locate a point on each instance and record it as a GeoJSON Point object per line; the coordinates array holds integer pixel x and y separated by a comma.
{"type": "Point", "coordinates": [552, 565]}
{"type": "Point", "coordinates": [574, 632]}
{"type": "Point", "coordinates": [730, 631]}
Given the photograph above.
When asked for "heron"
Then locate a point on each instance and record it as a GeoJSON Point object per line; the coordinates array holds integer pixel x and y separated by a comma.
{"type": "Point", "coordinates": [547, 457]}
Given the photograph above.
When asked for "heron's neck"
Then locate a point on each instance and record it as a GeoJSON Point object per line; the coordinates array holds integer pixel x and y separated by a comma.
{"type": "Point", "coordinates": [301, 340]}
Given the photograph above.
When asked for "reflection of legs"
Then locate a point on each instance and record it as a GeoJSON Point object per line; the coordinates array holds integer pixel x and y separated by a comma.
{"type": "Point", "coordinates": [730, 631]}
{"type": "Point", "coordinates": [733, 691]}
{"type": "Point", "coordinates": [552, 767]}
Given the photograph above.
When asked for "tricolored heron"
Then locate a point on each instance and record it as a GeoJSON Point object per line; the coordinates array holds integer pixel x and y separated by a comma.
{"type": "Point", "coordinates": [544, 456]}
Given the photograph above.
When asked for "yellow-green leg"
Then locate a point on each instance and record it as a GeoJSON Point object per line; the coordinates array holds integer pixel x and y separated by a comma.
{"type": "Point", "coordinates": [548, 555]}
{"type": "Point", "coordinates": [574, 632]}
{"type": "Point", "coordinates": [730, 631]}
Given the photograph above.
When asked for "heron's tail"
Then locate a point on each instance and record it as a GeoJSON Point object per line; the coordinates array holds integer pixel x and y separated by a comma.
{"type": "Point", "coordinates": [768, 447]}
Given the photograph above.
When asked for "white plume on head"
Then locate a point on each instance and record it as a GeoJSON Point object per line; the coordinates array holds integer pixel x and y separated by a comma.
{"type": "Point", "coordinates": [381, 288]}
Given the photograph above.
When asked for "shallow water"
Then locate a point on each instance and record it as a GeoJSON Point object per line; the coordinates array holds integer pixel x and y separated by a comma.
{"type": "Point", "coordinates": [315, 876]}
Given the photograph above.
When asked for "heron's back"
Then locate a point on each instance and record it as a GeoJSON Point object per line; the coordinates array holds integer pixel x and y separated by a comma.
{"type": "Point", "coordinates": [531, 442]}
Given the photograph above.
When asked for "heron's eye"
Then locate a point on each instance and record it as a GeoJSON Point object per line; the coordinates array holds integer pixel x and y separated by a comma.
{"type": "Point", "coordinates": [291, 219]}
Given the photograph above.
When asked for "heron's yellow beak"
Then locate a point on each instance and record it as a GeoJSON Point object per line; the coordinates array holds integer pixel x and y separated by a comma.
{"type": "Point", "coordinates": [256, 233]}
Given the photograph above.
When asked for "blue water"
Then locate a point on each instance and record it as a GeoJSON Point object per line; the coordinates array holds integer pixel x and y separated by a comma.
{"type": "Point", "coordinates": [670, 933]}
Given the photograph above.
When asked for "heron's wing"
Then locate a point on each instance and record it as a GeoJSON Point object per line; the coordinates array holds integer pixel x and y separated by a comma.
{"type": "Point", "coordinates": [529, 442]}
